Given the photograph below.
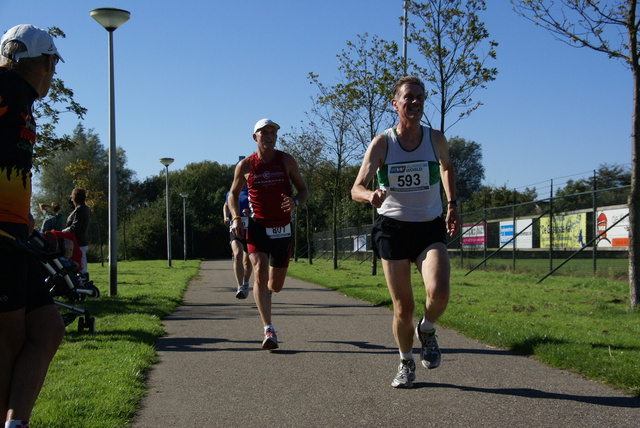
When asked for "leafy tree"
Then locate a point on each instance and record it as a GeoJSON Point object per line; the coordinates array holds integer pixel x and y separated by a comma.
{"type": "Point", "coordinates": [334, 115]}
{"type": "Point", "coordinates": [578, 194]}
{"type": "Point", "coordinates": [304, 146]}
{"type": "Point", "coordinates": [450, 37]}
{"type": "Point", "coordinates": [47, 112]}
{"type": "Point", "coordinates": [86, 157]}
{"type": "Point", "coordinates": [354, 110]}
{"type": "Point", "coordinates": [206, 184]}
{"type": "Point", "coordinates": [495, 197]}
{"type": "Point", "coordinates": [369, 69]}
{"type": "Point", "coordinates": [611, 28]}
{"type": "Point", "coordinates": [85, 164]}
{"type": "Point", "coordinates": [466, 157]}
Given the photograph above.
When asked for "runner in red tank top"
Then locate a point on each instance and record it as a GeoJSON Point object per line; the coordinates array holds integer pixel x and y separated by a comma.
{"type": "Point", "coordinates": [267, 182]}
{"type": "Point", "coordinates": [269, 174]}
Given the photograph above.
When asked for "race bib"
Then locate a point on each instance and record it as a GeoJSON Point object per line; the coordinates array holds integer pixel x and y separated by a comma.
{"type": "Point", "coordinates": [279, 232]}
{"type": "Point", "coordinates": [409, 177]}
{"type": "Point", "coordinates": [245, 223]}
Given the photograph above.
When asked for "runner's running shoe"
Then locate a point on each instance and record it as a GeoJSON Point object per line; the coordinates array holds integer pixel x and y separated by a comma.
{"type": "Point", "coordinates": [430, 355]}
{"type": "Point", "coordinates": [270, 340]}
{"type": "Point", "coordinates": [406, 374]}
{"type": "Point", "coordinates": [243, 291]}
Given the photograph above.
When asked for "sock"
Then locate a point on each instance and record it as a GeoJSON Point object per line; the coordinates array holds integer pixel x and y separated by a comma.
{"type": "Point", "coordinates": [16, 423]}
{"type": "Point", "coordinates": [426, 325]}
{"type": "Point", "coordinates": [407, 356]}
{"type": "Point", "coordinates": [267, 327]}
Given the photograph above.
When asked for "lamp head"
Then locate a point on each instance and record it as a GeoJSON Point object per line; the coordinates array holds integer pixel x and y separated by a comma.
{"type": "Point", "coordinates": [109, 17]}
{"type": "Point", "coordinates": [166, 161]}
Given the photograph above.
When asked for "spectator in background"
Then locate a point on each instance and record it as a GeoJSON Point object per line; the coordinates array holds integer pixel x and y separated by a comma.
{"type": "Point", "coordinates": [53, 220]}
{"type": "Point", "coordinates": [78, 223]}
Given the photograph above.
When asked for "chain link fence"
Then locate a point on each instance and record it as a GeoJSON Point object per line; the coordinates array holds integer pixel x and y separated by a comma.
{"type": "Point", "coordinates": [590, 229]}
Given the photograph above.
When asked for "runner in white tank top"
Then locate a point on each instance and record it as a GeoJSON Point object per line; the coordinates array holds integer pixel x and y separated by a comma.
{"type": "Point", "coordinates": [411, 180]}
{"type": "Point", "coordinates": [412, 162]}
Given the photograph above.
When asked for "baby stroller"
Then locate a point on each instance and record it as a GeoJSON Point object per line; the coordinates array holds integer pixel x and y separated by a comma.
{"type": "Point", "coordinates": [63, 275]}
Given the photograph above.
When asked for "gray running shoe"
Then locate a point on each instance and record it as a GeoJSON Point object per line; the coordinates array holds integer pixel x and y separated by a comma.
{"type": "Point", "coordinates": [430, 355]}
{"type": "Point", "coordinates": [270, 341]}
{"type": "Point", "coordinates": [406, 374]}
{"type": "Point", "coordinates": [243, 291]}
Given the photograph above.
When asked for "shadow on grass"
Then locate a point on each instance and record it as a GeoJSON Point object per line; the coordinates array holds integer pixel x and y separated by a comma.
{"type": "Point", "coordinates": [527, 346]}
{"type": "Point", "coordinates": [141, 304]}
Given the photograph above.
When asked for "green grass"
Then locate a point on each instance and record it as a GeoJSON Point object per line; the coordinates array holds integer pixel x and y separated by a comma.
{"type": "Point", "coordinates": [579, 324]}
{"type": "Point", "coordinates": [615, 268]}
{"type": "Point", "coordinates": [584, 325]}
{"type": "Point", "coordinates": [97, 379]}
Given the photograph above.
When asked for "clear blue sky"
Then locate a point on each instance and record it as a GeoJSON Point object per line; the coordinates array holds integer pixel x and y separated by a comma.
{"type": "Point", "coordinates": [192, 77]}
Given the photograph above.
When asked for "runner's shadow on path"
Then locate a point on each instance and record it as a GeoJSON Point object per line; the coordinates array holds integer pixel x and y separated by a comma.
{"type": "Point", "coordinates": [629, 402]}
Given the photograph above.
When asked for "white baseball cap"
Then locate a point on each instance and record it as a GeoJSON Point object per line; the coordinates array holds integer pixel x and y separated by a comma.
{"type": "Point", "coordinates": [264, 122]}
{"type": "Point", "coordinates": [37, 41]}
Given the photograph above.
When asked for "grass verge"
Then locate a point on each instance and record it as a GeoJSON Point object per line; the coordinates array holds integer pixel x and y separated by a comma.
{"type": "Point", "coordinates": [97, 379]}
{"type": "Point", "coordinates": [584, 325]}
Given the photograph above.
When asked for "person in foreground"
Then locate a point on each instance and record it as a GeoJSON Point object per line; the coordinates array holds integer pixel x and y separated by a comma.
{"type": "Point", "coordinates": [31, 328]}
{"type": "Point", "coordinates": [411, 161]}
{"type": "Point", "coordinates": [268, 174]}
{"type": "Point", "coordinates": [241, 262]}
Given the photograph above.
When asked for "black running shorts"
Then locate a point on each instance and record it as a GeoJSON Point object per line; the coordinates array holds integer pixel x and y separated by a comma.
{"type": "Point", "coordinates": [399, 240]}
{"type": "Point", "coordinates": [278, 250]}
{"type": "Point", "coordinates": [233, 237]}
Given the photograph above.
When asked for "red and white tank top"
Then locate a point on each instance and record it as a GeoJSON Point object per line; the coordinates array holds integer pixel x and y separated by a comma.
{"type": "Point", "coordinates": [267, 182]}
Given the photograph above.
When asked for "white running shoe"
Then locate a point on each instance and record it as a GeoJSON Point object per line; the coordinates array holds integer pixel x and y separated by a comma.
{"type": "Point", "coordinates": [406, 374]}
{"type": "Point", "coordinates": [243, 291]}
{"type": "Point", "coordinates": [270, 341]}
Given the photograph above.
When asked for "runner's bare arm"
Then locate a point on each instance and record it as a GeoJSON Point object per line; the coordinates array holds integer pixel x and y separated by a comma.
{"type": "Point", "coordinates": [373, 159]}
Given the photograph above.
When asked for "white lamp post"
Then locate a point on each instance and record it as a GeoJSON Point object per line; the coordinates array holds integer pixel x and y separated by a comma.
{"type": "Point", "coordinates": [184, 222]}
{"type": "Point", "coordinates": [166, 162]}
{"type": "Point", "coordinates": [111, 19]}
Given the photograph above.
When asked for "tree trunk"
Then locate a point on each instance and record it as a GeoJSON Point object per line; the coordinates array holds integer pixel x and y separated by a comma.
{"type": "Point", "coordinates": [309, 240]}
{"type": "Point", "coordinates": [335, 231]}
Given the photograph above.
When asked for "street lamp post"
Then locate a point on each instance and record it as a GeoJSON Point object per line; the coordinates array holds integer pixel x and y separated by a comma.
{"type": "Point", "coordinates": [111, 19]}
{"type": "Point", "coordinates": [166, 162]}
{"type": "Point", "coordinates": [184, 222]}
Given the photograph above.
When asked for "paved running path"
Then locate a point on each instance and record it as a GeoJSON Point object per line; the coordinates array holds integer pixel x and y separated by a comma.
{"type": "Point", "coordinates": [336, 360]}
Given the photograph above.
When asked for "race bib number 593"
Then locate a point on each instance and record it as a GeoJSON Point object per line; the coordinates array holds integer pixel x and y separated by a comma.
{"type": "Point", "coordinates": [409, 177]}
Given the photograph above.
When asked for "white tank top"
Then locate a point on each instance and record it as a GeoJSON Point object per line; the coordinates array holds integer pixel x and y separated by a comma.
{"type": "Point", "coordinates": [411, 180]}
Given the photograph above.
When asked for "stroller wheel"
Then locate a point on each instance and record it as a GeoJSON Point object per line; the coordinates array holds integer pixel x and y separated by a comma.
{"type": "Point", "coordinates": [96, 292]}
{"type": "Point", "coordinates": [68, 318]}
{"type": "Point", "coordinates": [86, 323]}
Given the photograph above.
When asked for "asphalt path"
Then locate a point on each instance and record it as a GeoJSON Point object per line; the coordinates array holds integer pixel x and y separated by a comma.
{"type": "Point", "coordinates": [334, 368]}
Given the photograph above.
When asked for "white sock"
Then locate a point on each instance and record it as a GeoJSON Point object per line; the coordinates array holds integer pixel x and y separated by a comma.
{"type": "Point", "coordinates": [426, 325]}
{"type": "Point", "coordinates": [267, 327]}
{"type": "Point", "coordinates": [16, 423]}
{"type": "Point", "coordinates": [407, 356]}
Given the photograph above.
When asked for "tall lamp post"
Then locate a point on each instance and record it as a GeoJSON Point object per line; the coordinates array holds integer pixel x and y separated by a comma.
{"type": "Point", "coordinates": [166, 162]}
{"type": "Point", "coordinates": [111, 19]}
{"type": "Point", "coordinates": [184, 222]}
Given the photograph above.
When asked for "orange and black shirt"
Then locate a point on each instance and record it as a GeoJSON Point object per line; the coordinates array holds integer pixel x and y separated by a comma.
{"type": "Point", "coordinates": [17, 139]}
